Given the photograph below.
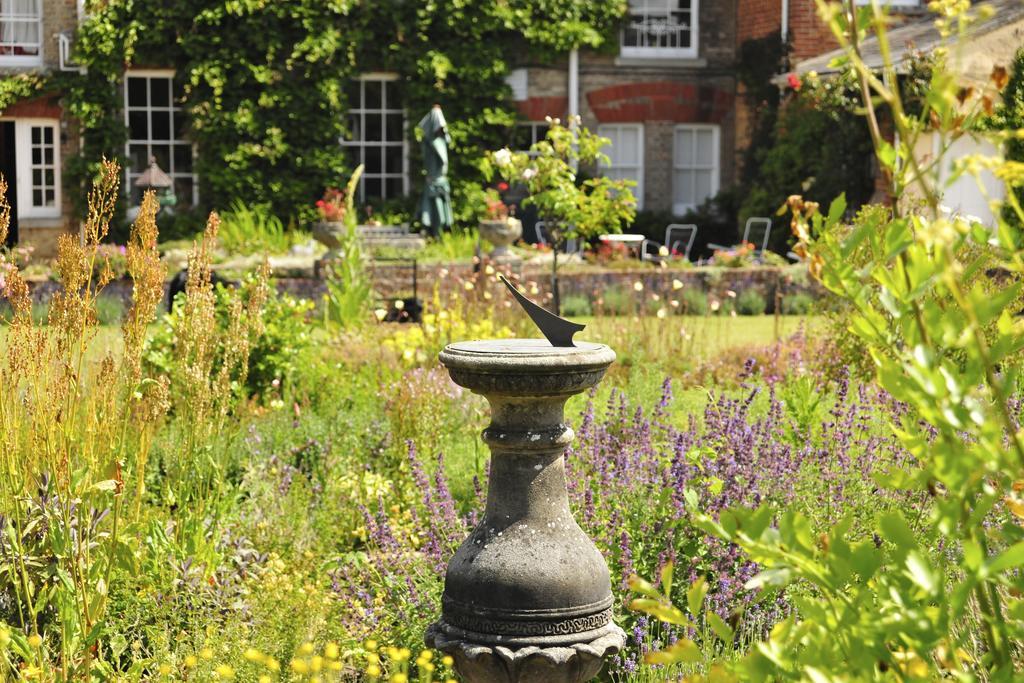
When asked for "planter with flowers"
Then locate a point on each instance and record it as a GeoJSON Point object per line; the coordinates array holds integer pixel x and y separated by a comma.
{"type": "Point", "coordinates": [331, 228]}
{"type": "Point", "coordinates": [499, 228]}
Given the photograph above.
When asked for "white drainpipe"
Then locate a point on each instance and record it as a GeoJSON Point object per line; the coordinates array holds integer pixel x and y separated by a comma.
{"type": "Point", "coordinates": [784, 29]}
{"type": "Point", "coordinates": [574, 83]}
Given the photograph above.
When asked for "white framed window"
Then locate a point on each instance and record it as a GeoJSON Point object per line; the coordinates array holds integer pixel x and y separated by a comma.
{"type": "Point", "coordinates": [156, 130]}
{"type": "Point", "coordinates": [695, 165]}
{"type": "Point", "coordinates": [526, 133]}
{"type": "Point", "coordinates": [518, 80]}
{"type": "Point", "coordinates": [661, 29]}
{"type": "Point", "coordinates": [376, 136]}
{"type": "Point", "coordinates": [625, 155]}
{"type": "Point", "coordinates": [37, 159]}
{"type": "Point", "coordinates": [21, 30]}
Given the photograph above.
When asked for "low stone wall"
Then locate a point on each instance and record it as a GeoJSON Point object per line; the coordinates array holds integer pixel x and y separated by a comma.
{"type": "Point", "coordinates": [396, 281]}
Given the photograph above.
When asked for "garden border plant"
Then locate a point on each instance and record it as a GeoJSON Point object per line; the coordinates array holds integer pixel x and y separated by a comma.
{"type": "Point", "coordinates": [951, 353]}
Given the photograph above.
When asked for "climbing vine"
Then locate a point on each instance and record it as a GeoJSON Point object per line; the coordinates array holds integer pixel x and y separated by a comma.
{"type": "Point", "coordinates": [265, 83]}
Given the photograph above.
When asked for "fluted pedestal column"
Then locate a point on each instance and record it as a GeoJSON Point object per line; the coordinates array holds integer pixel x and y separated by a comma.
{"type": "Point", "coordinates": [527, 596]}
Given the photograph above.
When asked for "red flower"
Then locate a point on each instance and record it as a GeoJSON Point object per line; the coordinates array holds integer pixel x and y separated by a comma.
{"type": "Point", "coordinates": [502, 187]}
{"type": "Point", "coordinates": [319, 202]}
{"type": "Point", "coordinates": [794, 81]}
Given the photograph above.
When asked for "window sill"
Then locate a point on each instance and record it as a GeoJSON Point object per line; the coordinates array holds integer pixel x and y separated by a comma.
{"type": "Point", "coordinates": [37, 222]}
{"type": "Point", "coordinates": [662, 62]}
{"type": "Point", "coordinates": [20, 62]}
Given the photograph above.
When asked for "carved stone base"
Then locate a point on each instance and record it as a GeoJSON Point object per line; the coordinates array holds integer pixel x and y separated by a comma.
{"type": "Point", "coordinates": [569, 663]}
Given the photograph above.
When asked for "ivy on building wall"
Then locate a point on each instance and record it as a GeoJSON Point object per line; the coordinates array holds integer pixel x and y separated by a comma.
{"type": "Point", "coordinates": [265, 83]}
{"type": "Point", "coordinates": [1009, 115]}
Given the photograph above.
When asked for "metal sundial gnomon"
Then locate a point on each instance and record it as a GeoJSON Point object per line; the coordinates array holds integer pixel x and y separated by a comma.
{"type": "Point", "coordinates": [556, 330]}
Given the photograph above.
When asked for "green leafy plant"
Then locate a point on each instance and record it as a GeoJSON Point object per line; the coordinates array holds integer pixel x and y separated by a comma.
{"type": "Point", "coordinates": [573, 208]}
{"type": "Point", "coordinates": [750, 302]}
{"type": "Point", "coordinates": [349, 288]}
{"type": "Point", "coordinates": [254, 229]}
{"type": "Point", "coordinates": [797, 304]}
{"type": "Point", "coordinates": [945, 343]}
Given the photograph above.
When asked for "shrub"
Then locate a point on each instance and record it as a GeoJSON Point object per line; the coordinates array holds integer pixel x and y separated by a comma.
{"type": "Point", "coordinates": [109, 310]}
{"type": "Point", "coordinates": [272, 354]}
{"type": "Point", "coordinates": [800, 303]}
{"type": "Point", "coordinates": [617, 300]}
{"type": "Point", "coordinates": [576, 305]}
{"type": "Point", "coordinates": [750, 302]}
{"type": "Point", "coordinates": [695, 302]}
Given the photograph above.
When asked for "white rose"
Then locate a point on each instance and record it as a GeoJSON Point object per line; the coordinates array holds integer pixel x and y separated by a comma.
{"type": "Point", "coordinates": [503, 157]}
{"type": "Point", "coordinates": [529, 173]}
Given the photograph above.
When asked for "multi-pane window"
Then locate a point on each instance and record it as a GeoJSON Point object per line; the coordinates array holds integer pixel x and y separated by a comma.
{"type": "Point", "coordinates": [376, 136]}
{"type": "Point", "coordinates": [21, 27]}
{"type": "Point", "coordinates": [37, 150]}
{"type": "Point", "coordinates": [156, 130]}
{"type": "Point", "coordinates": [695, 166]}
{"type": "Point", "coordinates": [661, 28]}
{"type": "Point", "coordinates": [526, 133]}
{"type": "Point", "coordinates": [625, 155]}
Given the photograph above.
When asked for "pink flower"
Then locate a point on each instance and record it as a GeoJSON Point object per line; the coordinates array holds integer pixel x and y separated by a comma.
{"type": "Point", "coordinates": [794, 81]}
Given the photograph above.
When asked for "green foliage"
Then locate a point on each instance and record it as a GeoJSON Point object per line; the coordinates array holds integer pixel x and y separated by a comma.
{"type": "Point", "coordinates": [272, 355]}
{"type": "Point", "coordinates": [266, 85]}
{"type": "Point", "coordinates": [573, 208]}
{"type": "Point", "coordinates": [945, 343]}
{"type": "Point", "coordinates": [695, 301]}
{"type": "Point", "coordinates": [21, 86]}
{"type": "Point", "coordinates": [576, 305]}
{"type": "Point", "coordinates": [1009, 116]}
{"type": "Point", "coordinates": [348, 284]}
{"type": "Point", "coordinates": [797, 162]}
{"type": "Point", "coordinates": [750, 302]}
{"type": "Point", "coordinates": [255, 230]}
{"type": "Point", "coordinates": [797, 304]}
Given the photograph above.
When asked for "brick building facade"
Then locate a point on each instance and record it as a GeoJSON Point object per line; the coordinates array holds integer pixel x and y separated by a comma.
{"type": "Point", "coordinates": [667, 96]}
{"type": "Point", "coordinates": [35, 134]}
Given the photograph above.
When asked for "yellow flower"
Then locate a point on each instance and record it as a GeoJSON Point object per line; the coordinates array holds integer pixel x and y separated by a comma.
{"type": "Point", "coordinates": [399, 678]}
{"type": "Point", "coordinates": [447, 660]}
{"type": "Point", "coordinates": [468, 285]}
{"type": "Point", "coordinates": [190, 661]}
{"type": "Point", "coordinates": [662, 312]}
{"type": "Point", "coordinates": [206, 653]}
{"type": "Point", "coordinates": [264, 679]}
{"type": "Point", "coordinates": [317, 663]}
{"type": "Point", "coordinates": [300, 666]}
{"type": "Point", "coordinates": [35, 640]}
{"type": "Point", "coordinates": [331, 650]}
{"type": "Point", "coordinates": [381, 314]}
{"type": "Point", "coordinates": [224, 671]}
{"type": "Point", "coordinates": [165, 669]}
{"type": "Point", "coordinates": [676, 284]}
{"type": "Point", "coordinates": [373, 671]}
{"type": "Point", "coordinates": [253, 655]}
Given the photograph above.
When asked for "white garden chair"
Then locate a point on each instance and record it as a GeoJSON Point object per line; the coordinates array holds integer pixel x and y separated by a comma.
{"type": "Point", "coordinates": [754, 226]}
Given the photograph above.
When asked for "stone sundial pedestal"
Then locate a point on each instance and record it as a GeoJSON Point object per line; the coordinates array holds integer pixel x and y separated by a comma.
{"type": "Point", "coordinates": [527, 596]}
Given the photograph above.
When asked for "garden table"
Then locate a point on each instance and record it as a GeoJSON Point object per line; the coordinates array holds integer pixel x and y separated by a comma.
{"type": "Point", "coordinates": [631, 240]}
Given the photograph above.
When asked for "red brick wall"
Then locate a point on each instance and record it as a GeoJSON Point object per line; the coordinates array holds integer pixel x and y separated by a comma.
{"type": "Point", "coordinates": [40, 108]}
{"type": "Point", "coordinates": [537, 108]}
{"type": "Point", "coordinates": [757, 18]}
{"type": "Point", "coordinates": [808, 34]}
{"type": "Point", "coordinates": [660, 101]}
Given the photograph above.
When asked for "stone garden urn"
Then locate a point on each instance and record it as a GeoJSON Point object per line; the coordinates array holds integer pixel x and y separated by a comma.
{"type": "Point", "coordinates": [329, 234]}
{"type": "Point", "coordinates": [501, 233]}
{"type": "Point", "coordinates": [527, 596]}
